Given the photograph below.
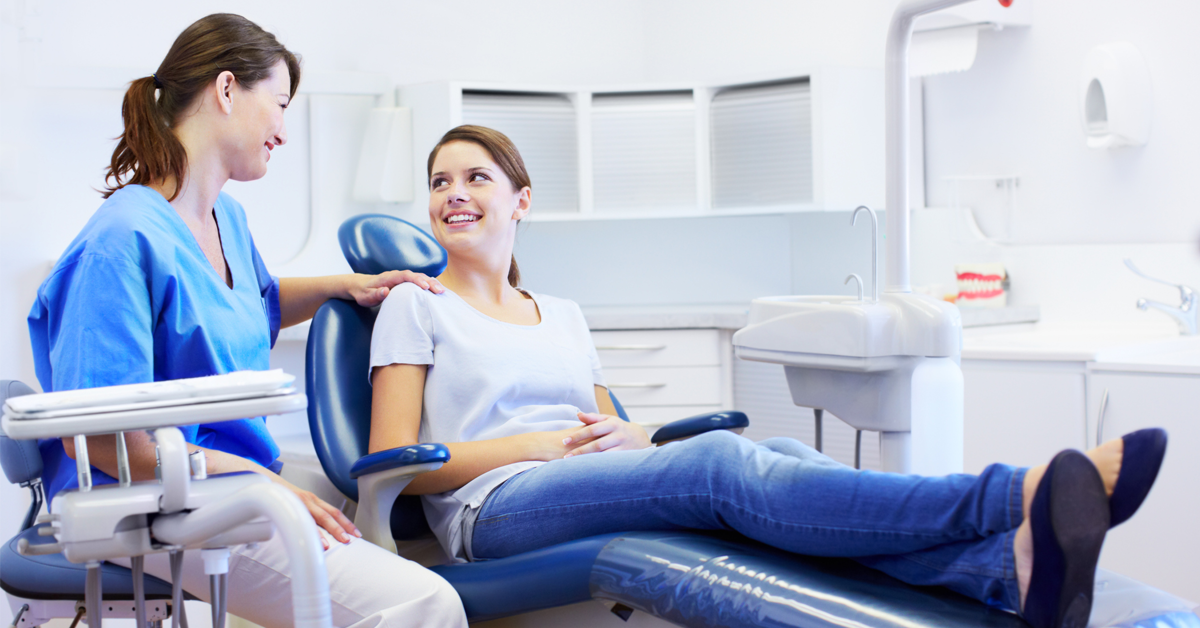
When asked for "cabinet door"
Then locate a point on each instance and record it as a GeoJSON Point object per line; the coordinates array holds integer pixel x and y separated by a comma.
{"type": "Point", "coordinates": [1021, 413]}
{"type": "Point", "coordinates": [1159, 545]}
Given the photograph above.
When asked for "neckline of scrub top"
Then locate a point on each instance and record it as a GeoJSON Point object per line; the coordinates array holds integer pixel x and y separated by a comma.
{"type": "Point", "coordinates": [196, 248]}
{"type": "Point", "coordinates": [541, 310]}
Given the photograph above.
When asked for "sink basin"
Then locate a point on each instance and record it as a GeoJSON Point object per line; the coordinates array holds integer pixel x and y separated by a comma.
{"type": "Point", "coordinates": [843, 333]}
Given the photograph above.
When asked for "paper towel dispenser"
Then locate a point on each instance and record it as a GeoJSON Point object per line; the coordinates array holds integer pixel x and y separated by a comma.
{"type": "Point", "coordinates": [947, 40]}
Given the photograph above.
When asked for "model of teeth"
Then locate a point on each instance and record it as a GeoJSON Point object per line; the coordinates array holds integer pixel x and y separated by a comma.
{"type": "Point", "coordinates": [981, 285]}
{"type": "Point", "coordinates": [462, 218]}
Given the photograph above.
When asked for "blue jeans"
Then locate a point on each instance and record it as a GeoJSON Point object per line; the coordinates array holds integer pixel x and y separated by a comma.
{"type": "Point", "coordinates": [954, 531]}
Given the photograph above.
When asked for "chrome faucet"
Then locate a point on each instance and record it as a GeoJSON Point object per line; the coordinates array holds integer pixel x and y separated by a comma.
{"type": "Point", "coordinates": [1187, 315]}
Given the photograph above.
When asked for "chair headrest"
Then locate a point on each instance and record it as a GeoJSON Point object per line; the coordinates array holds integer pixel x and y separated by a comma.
{"type": "Point", "coordinates": [21, 459]}
{"type": "Point", "coordinates": [376, 243]}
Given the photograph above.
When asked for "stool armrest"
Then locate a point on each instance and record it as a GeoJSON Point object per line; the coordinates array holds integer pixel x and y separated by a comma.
{"type": "Point", "coordinates": [699, 424]}
{"type": "Point", "coordinates": [381, 477]}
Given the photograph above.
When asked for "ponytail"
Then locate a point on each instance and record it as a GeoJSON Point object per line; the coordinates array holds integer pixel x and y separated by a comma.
{"type": "Point", "coordinates": [514, 274]}
{"type": "Point", "coordinates": [148, 150]}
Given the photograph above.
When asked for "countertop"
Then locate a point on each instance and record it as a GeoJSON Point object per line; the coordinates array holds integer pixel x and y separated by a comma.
{"type": "Point", "coordinates": [713, 316]}
{"type": "Point", "coordinates": [718, 316]}
{"type": "Point", "coordinates": [1104, 347]}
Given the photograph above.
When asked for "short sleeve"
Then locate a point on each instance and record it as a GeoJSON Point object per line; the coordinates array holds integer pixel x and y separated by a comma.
{"type": "Point", "coordinates": [92, 325]}
{"type": "Point", "coordinates": [585, 338]}
{"type": "Point", "coordinates": [268, 286]}
{"type": "Point", "coordinates": [403, 331]}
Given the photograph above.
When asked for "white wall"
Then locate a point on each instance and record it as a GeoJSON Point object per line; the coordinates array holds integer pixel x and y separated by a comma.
{"type": "Point", "coordinates": [1017, 112]}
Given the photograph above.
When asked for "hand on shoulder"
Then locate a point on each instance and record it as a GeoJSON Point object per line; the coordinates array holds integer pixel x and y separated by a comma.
{"type": "Point", "coordinates": [371, 290]}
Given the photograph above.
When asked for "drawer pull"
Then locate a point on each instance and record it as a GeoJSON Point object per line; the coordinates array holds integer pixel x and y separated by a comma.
{"type": "Point", "coordinates": [637, 385]}
{"type": "Point", "coordinates": [631, 347]}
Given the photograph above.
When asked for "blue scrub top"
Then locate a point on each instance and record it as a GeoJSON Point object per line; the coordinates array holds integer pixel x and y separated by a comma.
{"type": "Point", "coordinates": [133, 299]}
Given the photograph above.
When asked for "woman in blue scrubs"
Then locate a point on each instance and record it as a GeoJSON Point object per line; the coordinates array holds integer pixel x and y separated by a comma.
{"type": "Point", "coordinates": [164, 282]}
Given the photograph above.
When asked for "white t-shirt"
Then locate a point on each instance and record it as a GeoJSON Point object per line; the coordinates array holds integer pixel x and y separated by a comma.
{"type": "Point", "coordinates": [486, 379]}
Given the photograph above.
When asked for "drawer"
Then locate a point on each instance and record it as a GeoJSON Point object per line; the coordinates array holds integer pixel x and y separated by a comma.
{"type": "Point", "coordinates": [660, 347]}
{"type": "Point", "coordinates": [656, 416]}
{"type": "Point", "coordinates": [676, 386]}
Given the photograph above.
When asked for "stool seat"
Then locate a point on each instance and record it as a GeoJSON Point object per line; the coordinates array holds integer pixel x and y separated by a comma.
{"type": "Point", "coordinates": [53, 577]}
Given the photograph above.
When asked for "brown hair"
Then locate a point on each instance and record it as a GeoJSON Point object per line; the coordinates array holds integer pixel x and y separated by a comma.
{"type": "Point", "coordinates": [502, 151]}
{"type": "Point", "coordinates": [148, 150]}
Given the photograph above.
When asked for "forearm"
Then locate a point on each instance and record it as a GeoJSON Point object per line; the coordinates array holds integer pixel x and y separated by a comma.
{"type": "Point", "coordinates": [470, 460]}
{"type": "Point", "coordinates": [300, 297]}
{"type": "Point", "coordinates": [102, 454]}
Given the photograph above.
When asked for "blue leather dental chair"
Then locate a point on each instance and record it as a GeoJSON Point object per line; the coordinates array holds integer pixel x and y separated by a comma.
{"type": "Point", "coordinates": [687, 578]}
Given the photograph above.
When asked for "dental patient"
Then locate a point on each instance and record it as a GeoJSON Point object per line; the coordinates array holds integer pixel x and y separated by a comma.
{"type": "Point", "coordinates": [510, 381]}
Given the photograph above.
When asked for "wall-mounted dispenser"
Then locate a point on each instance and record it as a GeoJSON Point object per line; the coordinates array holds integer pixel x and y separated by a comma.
{"type": "Point", "coordinates": [385, 164]}
{"type": "Point", "coordinates": [1115, 97]}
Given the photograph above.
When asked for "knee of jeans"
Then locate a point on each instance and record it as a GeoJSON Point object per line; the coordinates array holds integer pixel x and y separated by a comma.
{"type": "Point", "coordinates": [723, 447]}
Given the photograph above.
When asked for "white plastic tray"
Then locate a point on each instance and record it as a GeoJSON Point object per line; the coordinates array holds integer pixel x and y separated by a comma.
{"type": "Point", "coordinates": [199, 411]}
{"type": "Point", "coordinates": [237, 385]}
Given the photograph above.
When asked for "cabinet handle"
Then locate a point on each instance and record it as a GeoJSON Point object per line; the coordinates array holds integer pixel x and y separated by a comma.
{"type": "Point", "coordinates": [631, 347]}
{"type": "Point", "coordinates": [637, 385]}
{"type": "Point", "coordinates": [1100, 421]}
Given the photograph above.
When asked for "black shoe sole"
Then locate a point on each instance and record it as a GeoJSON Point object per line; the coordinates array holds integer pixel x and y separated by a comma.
{"type": "Point", "coordinates": [1075, 507]}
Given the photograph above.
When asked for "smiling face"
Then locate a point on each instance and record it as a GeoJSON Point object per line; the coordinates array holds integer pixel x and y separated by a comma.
{"type": "Point", "coordinates": [473, 205]}
{"type": "Point", "coordinates": [257, 123]}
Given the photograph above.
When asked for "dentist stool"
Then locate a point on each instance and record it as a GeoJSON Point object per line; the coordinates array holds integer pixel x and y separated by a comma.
{"type": "Point", "coordinates": [686, 578]}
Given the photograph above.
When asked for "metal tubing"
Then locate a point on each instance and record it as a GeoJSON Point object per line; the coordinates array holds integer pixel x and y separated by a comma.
{"type": "Point", "coordinates": [896, 113]}
{"type": "Point", "coordinates": [310, 589]}
{"type": "Point", "coordinates": [137, 566]}
{"type": "Point", "coordinates": [123, 475]}
{"type": "Point", "coordinates": [83, 466]}
{"type": "Point", "coordinates": [214, 598]}
{"type": "Point", "coordinates": [224, 610]}
{"type": "Point", "coordinates": [857, 449]}
{"type": "Point", "coordinates": [179, 616]}
{"type": "Point", "coordinates": [874, 250]}
{"type": "Point", "coordinates": [93, 595]}
{"type": "Point", "coordinates": [819, 429]}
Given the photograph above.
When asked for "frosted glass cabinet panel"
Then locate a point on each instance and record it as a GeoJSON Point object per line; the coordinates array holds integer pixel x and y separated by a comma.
{"type": "Point", "coordinates": [543, 128]}
{"type": "Point", "coordinates": [762, 145]}
{"type": "Point", "coordinates": [644, 151]}
{"type": "Point", "coordinates": [811, 141]}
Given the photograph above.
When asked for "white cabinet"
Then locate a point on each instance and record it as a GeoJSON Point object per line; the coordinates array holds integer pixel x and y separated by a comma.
{"type": "Point", "coordinates": [666, 374]}
{"type": "Point", "coordinates": [672, 149]}
{"type": "Point", "coordinates": [1022, 412]}
{"type": "Point", "coordinates": [1159, 545]}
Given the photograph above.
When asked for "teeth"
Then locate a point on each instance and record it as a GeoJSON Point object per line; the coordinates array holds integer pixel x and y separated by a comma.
{"type": "Point", "coordinates": [462, 218]}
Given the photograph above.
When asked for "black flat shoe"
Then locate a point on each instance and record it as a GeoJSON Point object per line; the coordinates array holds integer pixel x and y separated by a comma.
{"type": "Point", "coordinates": [1068, 518]}
{"type": "Point", "coordinates": [1143, 457]}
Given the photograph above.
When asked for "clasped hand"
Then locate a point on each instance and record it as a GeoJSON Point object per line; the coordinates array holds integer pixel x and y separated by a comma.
{"type": "Point", "coordinates": [605, 433]}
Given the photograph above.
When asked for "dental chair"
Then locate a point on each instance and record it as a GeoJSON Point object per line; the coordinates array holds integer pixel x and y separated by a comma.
{"type": "Point", "coordinates": [685, 578]}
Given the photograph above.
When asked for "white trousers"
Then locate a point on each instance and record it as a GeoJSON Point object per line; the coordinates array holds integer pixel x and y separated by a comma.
{"type": "Point", "coordinates": [368, 586]}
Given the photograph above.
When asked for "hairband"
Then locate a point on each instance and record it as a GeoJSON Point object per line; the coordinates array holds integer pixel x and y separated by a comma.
{"type": "Point", "coordinates": [157, 83]}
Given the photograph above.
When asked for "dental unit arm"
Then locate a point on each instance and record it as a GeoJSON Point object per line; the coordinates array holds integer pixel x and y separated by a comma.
{"type": "Point", "coordinates": [1186, 315]}
{"type": "Point", "coordinates": [184, 508]}
{"type": "Point", "coordinates": [890, 363]}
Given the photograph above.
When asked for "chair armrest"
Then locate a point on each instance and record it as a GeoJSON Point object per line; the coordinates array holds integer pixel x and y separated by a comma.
{"type": "Point", "coordinates": [399, 457]}
{"type": "Point", "coordinates": [381, 477]}
{"type": "Point", "coordinates": [699, 424]}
